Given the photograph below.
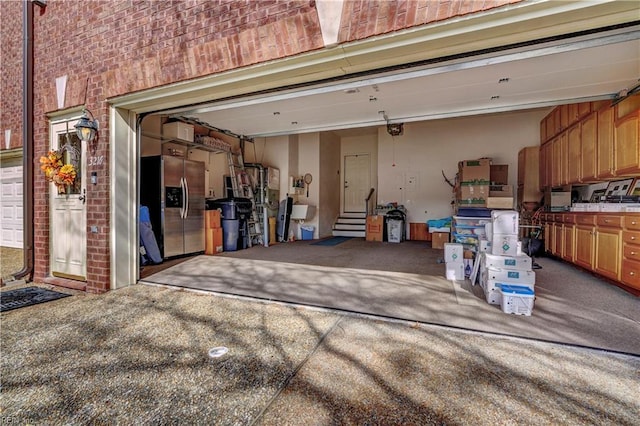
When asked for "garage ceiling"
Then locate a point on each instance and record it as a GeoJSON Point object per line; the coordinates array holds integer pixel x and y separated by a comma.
{"type": "Point", "coordinates": [528, 77]}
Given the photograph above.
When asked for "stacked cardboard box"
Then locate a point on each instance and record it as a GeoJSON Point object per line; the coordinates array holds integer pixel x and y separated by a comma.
{"type": "Point", "coordinates": [506, 274]}
{"type": "Point", "coordinates": [212, 232]}
{"type": "Point", "coordinates": [375, 228]}
{"type": "Point", "coordinates": [474, 177]}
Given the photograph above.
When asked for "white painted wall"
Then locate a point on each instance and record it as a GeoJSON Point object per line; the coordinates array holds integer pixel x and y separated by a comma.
{"type": "Point", "coordinates": [430, 147]}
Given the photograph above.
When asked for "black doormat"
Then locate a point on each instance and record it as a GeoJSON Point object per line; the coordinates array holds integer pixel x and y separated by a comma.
{"type": "Point", "coordinates": [21, 297]}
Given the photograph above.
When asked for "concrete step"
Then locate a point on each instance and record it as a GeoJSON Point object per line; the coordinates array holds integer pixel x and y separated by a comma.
{"type": "Point", "coordinates": [343, 233]}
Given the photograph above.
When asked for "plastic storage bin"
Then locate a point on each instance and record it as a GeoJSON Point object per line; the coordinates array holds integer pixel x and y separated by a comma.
{"type": "Point", "coordinates": [516, 299]}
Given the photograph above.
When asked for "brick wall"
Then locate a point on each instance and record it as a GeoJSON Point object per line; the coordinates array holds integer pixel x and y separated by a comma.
{"type": "Point", "coordinates": [364, 18]}
{"type": "Point", "coordinates": [11, 75]}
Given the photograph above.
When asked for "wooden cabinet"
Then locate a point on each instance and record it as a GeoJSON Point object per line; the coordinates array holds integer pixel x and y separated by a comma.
{"type": "Point", "coordinates": [574, 153]}
{"type": "Point", "coordinates": [568, 237]}
{"type": "Point", "coordinates": [608, 249]}
{"type": "Point", "coordinates": [528, 175]}
{"type": "Point", "coordinates": [584, 240]}
{"type": "Point", "coordinates": [559, 153]}
{"type": "Point", "coordinates": [626, 149]}
{"type": "Point", "coordinates": [604, 152]}
{"type": "Point", "coordinates": [577, 111]}
{"type": "Point", "coordinates": [607, 244]}
{"type": "Point", "coordinates": [545, 165]}
{"type": "Point", "coordinates": [630, 273]}
{"type": "Point", "coordinates": [588, 143]}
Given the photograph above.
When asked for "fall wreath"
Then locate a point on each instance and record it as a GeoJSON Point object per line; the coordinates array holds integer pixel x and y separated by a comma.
{"type": "Point", "coordinates": [56, 171]}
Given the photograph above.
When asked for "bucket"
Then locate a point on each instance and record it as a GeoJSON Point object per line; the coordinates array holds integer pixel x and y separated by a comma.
{"type": "Point", "coordinates": [307, 232]}
{"type": "Point", "coordinates": [230, 232]}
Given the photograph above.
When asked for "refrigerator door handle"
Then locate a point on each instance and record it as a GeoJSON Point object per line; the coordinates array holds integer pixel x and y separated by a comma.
{"type": "Point", "coordinates": [186, 193]}
{"type": "Point", "coordinates": [182, 207]}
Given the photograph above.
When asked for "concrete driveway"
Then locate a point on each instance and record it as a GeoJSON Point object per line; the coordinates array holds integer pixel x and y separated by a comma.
{"type": "Point", "coordinates": [140, 356]}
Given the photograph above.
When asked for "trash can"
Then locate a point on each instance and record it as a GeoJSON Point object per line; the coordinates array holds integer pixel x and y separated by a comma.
{"type": "Point", "coordinates": [394, 219]}
{"type": "Point", "coordinates": [230, 234]}
{"type": "Point", "coordinates": [307, 232]}
{"type": "Point", "coordinates": [233, 209]}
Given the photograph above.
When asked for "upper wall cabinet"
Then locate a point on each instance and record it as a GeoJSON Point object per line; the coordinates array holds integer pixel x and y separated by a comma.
{"type": "Point", "coordinates": [627, 137]}
{"type": "Point", "coordinates": [595, 142]}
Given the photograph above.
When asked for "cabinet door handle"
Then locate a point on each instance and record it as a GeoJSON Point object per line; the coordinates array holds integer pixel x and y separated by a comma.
{"type": "Point", "coordinates": [633, 238]}
{"type": "Point", "coordinates": [634, 222]}
{"type": "Point", "coordinates": [632, 273]}
{"type": "Point", "coordinates": [607, 221]}
{"type": "Point", "coordinates": [633, 253]}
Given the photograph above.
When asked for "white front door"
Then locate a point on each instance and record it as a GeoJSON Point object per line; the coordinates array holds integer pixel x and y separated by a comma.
{"type": "Point", "coordinates": [68, 230]}
{"type": "Point", "coordinates": [357, 182]}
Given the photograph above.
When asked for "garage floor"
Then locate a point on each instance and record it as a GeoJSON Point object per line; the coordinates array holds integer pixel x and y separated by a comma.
{"type": "Point", "coordinates": [406, 281]}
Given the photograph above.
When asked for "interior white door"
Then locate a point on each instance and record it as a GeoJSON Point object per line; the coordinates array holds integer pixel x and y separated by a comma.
{"type": "Point", "coordinates": [68, 225]}
{"type": "Point", "coordinates": [357, 182]}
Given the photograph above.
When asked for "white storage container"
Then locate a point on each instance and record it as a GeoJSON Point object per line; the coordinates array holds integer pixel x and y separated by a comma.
{"type": "Point", "coordinates": [453, 253]}
{"type": "Point", "coordinates": [520, 262]}
{"type": "Point", "coordinates": [516, 299]}
{"type": "Point", "coordinates": [455, 271]}
{"type": "Point", "coordinates": [494, 297]}
{"type": "Point", "coordinates": [509, 276]}
{"type": "Point", "coordinates": [505, 222]}
{"type": "Point", "coordinates": [504, 244]}
{"type": "Point", "coordinates": [485, 246]}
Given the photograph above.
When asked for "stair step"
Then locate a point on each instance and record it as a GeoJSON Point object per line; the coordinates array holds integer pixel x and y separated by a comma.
{"type": "Point", "coordinates": [349, 227]}
{"type": "Point", "coordinates": [343, 233]}
{"type": "Point", "coordinates": [362, 215]}
{"type": "Point", "coordinates": [341, 219]}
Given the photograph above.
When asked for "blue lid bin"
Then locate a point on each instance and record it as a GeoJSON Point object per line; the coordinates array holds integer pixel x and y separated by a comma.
{"type": "Point", "coordinates": [307, 232]}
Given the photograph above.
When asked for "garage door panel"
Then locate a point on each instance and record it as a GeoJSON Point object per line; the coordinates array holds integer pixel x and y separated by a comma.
{"type": "Point", "coordinates": [11, 207]}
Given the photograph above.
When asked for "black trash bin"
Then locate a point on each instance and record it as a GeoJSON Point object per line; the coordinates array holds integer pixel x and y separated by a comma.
{"type": "Point", "coordinates": [235, 212]}
{"type": "Point", "coordinates": [394, 221]}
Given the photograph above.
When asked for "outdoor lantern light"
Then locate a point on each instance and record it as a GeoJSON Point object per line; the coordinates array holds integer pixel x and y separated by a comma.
{"type": "Point", "coordinates": [86, 128]}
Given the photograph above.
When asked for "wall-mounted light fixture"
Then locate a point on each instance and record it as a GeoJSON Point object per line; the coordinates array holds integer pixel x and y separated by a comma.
{"type": "Point", "coordinates": [86, 128]}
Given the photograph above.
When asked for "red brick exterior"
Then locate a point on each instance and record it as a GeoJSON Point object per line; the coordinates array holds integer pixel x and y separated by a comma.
{"type": "Point", "coordinates": [362, 19]}
{"type": "Point", "coordinates": [11, 75]}
{"type": "Point", "coordinates": [114, 47]}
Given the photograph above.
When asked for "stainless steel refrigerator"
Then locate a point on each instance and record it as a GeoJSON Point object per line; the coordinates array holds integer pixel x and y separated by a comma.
{"type": "Point", "coordinates": [173, 190]}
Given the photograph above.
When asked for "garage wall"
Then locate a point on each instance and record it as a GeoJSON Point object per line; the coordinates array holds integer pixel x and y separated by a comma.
{"type": "Point", "coordinates": [328, 183]}
{"type": "Point", "coordinates": [427, 148]}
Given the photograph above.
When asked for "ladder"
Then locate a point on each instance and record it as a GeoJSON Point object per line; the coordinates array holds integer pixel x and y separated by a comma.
{"type": "Point", "coordinates": [242, 186]}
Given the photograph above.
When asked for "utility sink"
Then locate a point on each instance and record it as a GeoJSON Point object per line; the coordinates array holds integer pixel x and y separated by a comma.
{"type": "Point", "coordinates": [302, 212]}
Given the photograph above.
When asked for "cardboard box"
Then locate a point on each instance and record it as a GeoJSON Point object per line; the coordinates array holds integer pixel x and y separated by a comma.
{"type": "Point", "coordinates": [375, 228]}
{"type": "Point", "coordinates": [520, 262]}
{"type": "Point", "coordinates": [500, 191]}
{"type": "Point", "coordinates": [438, 239]}
{"type": "Point", "coordinates": [473, 191]}
{"type": "Point", "coordinates": [478, 171]}
{"type": "Point", "coordinates": [453, 253]}
{"type": "Point", "coordinates": [499, 174]}
{"type": "Point", "coordinates": [505, 203]}
{"type": "Point", "coordinates": [504, 244]}
{"type": "Point", "coordinates": [213, 241]}
{"type": "Point", "coordinates": [496, 276]}
{"type": "Point", "coordinates": [505, 222]}
{"type": "Point", "coordinates": [178, 131]}
{"type": "Point", "coordinates": [212, 219]}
